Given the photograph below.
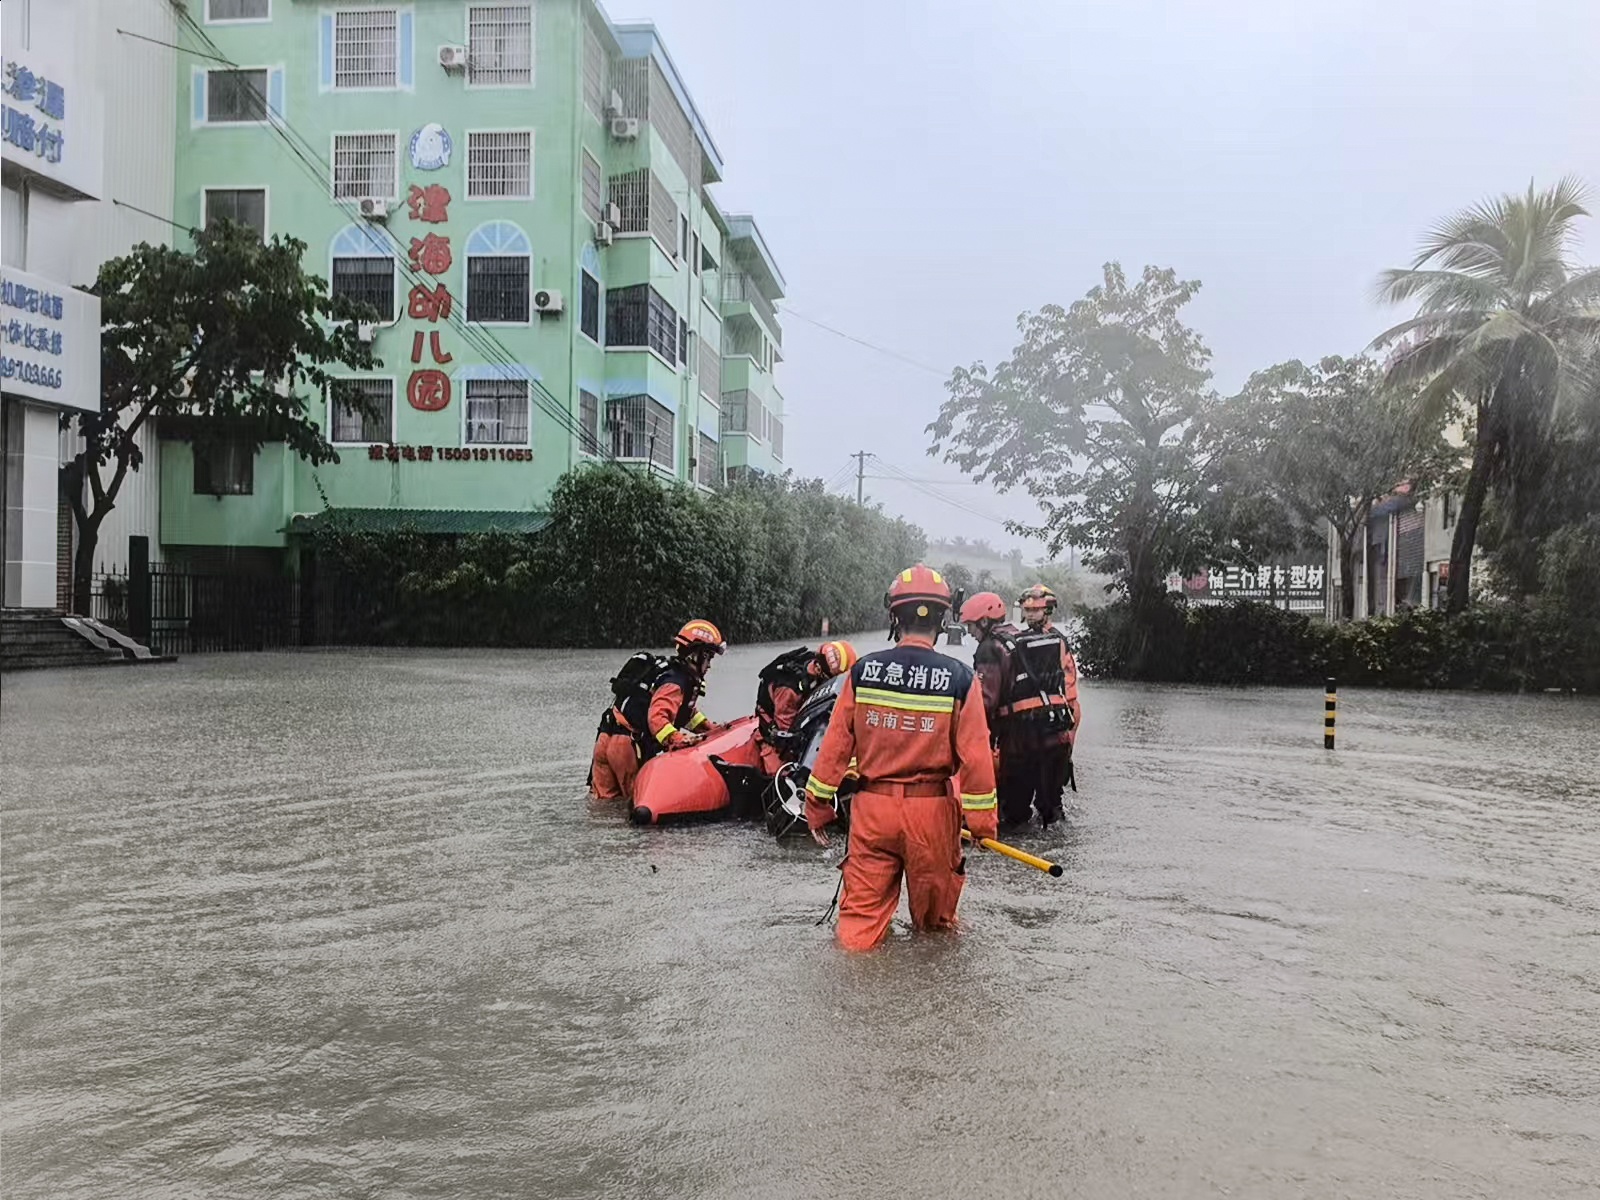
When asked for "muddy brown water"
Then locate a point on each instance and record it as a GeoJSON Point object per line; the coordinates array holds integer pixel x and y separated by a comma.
{"type": "Point", "coordinates": [344, 925]}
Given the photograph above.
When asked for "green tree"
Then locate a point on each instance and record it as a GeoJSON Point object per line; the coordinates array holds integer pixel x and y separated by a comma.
{"type": "Point", "coordinates": [1325, 443]}
{"type": "Point", "coordinates": [959, 577]}
{"type": "Point", "coordinates": [228, 338]}
{"type": "Point", "coordinates": [1504, 334]}
{"type": "Point", "coordinates": [1097, 413]}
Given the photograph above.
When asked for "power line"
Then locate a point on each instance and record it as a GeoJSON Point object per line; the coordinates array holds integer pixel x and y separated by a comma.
{"type": "Point", "coordinates": [850, 337]}
{"type": "Point", "coordinates": [154, 216]}
{"type": "Point", "coordinates": [170, 46]}
{"type": "Point", "coordinates": [900, 476]}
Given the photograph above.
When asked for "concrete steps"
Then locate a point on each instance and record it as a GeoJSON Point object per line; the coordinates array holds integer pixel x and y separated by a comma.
{"type": "Point", "coordinates": [33, 639]}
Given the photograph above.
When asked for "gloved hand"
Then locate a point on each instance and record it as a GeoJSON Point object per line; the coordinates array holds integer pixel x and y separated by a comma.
{"type": "Point", "coordinates": [818, 817]}
{"type": "Point", "coordinates": [985, 824]}
{"type": "Point", "coordinates": [682, 738]}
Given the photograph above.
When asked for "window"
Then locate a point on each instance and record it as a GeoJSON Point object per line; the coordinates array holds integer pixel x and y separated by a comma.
{"type": "Point", "coordinates": [497, 412]}
{"type": "Point", "coordinates": [683, 236]}
{"type": "Point", "coordinates": [641, 428]}
{"type": "Point", "coordinates": [368, 281]}
{"type": "Point", "coordinates": [224, 468]}
{"type": "Point", "coordinates": [694, 254]}
{"type": "Point", "coordinates": [365, 164]}
{"type": "Point", "coordinates": [364, 48]}
{"type": "Point", "coordinates": [638, 316]}
{"type": "Point", "coordinates": [238, 10]}
{"type": "Point", "coordinates": [708, 462]}
{"type": "Point", "coordinates": [236, 96]}
{"type": "Point", "coordinates": [244, 206]}
{"type": "Point", "coordinates": [589, 421]}
{"type": "Point", "coordinates": [500, 44]}
{"type": "Point", "coordinates": [589, 306]}
{"type": "Point", "coordinates": [594, 187]}
{"type": "Point", "coordinates": [594, 71]}
{"type": "Point", "coordinates": [710, 371]}
{"type": "Point", "coordinates": [361, 410]}
{"type": "Point", "coordinates": [497, 288]}
{"type": "Point", "coordinates": [683, 341]}
{"type": "Point", "coordinates": [500, 165]}
{"type": "Point", "coordinates": [776, 428]}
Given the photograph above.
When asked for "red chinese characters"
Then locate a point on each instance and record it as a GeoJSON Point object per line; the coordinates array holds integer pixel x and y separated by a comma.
{"type": "Point", "coordinates": [439, 355]}
{"type": "Point", "coordinates": [426, 305]}
{"type": "Point", "coordinates": [430, 254]}
{"type": "Point", "coordinates": [428, 391]}
{"type": "Point", "coordinates": [428, 203]}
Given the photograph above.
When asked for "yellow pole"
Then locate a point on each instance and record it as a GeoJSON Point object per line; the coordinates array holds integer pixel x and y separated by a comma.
{"type": "Point", "coordinates": [1330, 707]}
{"type": "Point", "coordinates": [1021, 856]}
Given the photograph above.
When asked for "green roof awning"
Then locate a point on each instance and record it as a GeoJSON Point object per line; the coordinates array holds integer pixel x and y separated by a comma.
{"type": "Point", "coordinates": [419, 520]}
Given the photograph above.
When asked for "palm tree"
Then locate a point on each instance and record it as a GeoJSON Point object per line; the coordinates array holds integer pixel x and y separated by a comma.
{"type": "Point", "coordinates": [1506, 327]}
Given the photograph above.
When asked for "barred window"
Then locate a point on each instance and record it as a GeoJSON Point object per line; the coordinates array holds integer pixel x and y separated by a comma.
{"type": "Point", "coordinates": [500, 164]}
{"type": "Point", "coordinates": [630, 192]}
{"type": "Point", "coordinates": [710, 372]}
{"type": "Point", "coordinates": [497, 288]}
{"type": "Point", "coordinates": [368, 281]}
{"type": "Point", "coordinates": [243, 206]}
{"type": "Point", "coordinates": [589, 421]}
{"type": "Point", "coordinates": [594, 187]}
{"type": "Point", "coordinates": [226, 468]}
{"type": "Point", "coordinates": [641, 428]}
{"type": "Point", "coordinates": [638, 316]}
{"type": "Point", "coordinates": [683, 341]}
{"type": "Point", "coordinates": [365, 164]}
{"type": "Point", "coordinates": [595, 71]}
{"type": "Point", "coordinates": [500, 43]}
{"type": "Point", "coordinates": [775, 431]}
{"type": "Point", "coordinates": [238, 10]}
{"type": "Point", "coordinates": [364, 48]}
{"type": "Point", "coordinates": [497, 412]}
{"type": "Point", "coordinates": [694, 254]}
{"type": "Point", "coordinates": [663, 217]}
{"type": "Point", "coordinates": [362, 410]}
{"type": "Point", "coordinates": [236, 96]}
{"type": "Point", "coordinates": [589, 306]}
{"type": "Point", "coordinates": [708, 465]}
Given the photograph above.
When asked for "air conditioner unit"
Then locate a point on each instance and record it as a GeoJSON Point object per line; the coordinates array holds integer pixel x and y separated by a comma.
{"type": "Point", "coordinates": [453, 58]}
{"type": "Point", "coordinates": [366, 331]}
{"type": "Point", "coordinates": [373, 208]}
{"type": "Point", "coordinates": [603, 233]}
{"type": "Point", "coordinates": [614, 105]}
{"type": "Point", "coordinates": [611, 214]}
{"type": "Point", "coordinates": [547, 300]}
{"type": "Point", "coordinates": [625, 129]}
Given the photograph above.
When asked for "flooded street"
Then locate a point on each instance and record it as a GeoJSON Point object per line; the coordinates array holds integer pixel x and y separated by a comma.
{"type": "Point", "coordinates": [344, 924]}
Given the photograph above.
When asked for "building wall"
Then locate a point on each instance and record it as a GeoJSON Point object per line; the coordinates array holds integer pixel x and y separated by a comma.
{"type": "Point", "coordinates": [291, 157]}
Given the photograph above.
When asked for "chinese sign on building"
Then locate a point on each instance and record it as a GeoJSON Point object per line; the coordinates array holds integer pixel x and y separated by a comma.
{"type": "Point", "coordinates": [49, 125]}
{"type": "Point", "coordinates": [1300, 587]}
{"type": "Point", "coordinates": [49, 341]}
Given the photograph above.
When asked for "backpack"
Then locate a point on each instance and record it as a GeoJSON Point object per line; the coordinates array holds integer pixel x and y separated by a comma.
{"type": "Point", "coordinates": [789, 667]}
{"type": "Point", "coordinates": [638, 676]}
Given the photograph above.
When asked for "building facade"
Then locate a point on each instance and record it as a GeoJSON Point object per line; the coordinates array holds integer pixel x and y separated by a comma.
{"type": "Point", "coordinates": [519, 192]}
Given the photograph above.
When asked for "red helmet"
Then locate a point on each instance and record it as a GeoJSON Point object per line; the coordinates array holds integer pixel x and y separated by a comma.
{"type": "Point", "coordinates": [700, 635]}
{"type": "Point", "coordinates": [920, 584]}
{"type": "Point", "coordinates": [1038, 596]}
{"type": "Point", "coordinates": [985, 606]}
{"type": "Point", "coordinates": [836, 658]}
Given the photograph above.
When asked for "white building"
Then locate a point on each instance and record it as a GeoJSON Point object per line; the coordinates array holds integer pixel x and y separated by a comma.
{"type": "Point", "coordinates": [86, 97]}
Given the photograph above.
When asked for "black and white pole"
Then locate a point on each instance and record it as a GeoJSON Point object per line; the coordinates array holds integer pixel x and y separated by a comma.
{"type": "Point", "coordinates": [1330, 706]}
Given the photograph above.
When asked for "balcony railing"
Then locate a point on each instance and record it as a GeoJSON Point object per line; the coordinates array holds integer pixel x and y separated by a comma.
{"type": "Point", "coordinates": [738, 287]}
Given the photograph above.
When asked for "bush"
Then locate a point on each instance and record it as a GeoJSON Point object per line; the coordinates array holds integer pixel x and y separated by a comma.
{"type": "Point", "coordinates": [624, 561]}
{"type": "Point", "coordinates": [1552, 643]}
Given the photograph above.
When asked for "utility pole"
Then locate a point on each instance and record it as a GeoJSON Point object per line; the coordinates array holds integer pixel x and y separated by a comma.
{"type": "Point", "coordinates": [861, 472]}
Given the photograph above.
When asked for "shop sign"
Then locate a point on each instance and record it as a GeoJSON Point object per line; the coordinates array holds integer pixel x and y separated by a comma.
{"type": "Point", "coordinates": [49, 125]}
{"type": "Point", "coordinates": [49, 341]}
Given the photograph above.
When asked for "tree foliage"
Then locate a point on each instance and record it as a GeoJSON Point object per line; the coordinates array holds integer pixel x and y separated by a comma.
{"type": "Point", "coordinates": [233, 338]}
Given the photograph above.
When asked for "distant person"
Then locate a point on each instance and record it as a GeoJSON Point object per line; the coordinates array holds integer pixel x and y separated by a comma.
{"type": "Point", "coordinates": [912, 719]}
{"type": "Point", "coordinates": [782, 687]}
{"type": "Point", "coordinates": [1036, 712]}
{"type": "Point", "coordinates": [658, 708]}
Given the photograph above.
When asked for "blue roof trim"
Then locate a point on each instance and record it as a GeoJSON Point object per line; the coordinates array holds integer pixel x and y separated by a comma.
{"type": "Point", "coordinates": [742, 227]}
{"type": "Point", "coordinates": [641, 38]}
{"type": "Point", "coordinates": [641, 387]}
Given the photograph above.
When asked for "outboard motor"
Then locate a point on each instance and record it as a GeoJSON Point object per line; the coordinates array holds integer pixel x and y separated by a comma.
{"type": "Point", "coordinates": [786, 801]}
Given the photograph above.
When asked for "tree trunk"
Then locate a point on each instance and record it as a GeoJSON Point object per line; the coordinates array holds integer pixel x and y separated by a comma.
{"type": "Point", "coordinates": [1467, 527]}
{"type": "Point", "coordinates": [1347, 573]}
{"type": "Point", "coordinates": [83, 565]}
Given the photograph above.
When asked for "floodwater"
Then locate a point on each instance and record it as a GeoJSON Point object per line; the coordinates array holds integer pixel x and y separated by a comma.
{"type": "Point", "coordinates": [344, 925]}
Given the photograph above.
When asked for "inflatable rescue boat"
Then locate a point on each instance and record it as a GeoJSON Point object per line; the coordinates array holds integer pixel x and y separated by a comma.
{"type": "Point", "coordinates": [714, 779]}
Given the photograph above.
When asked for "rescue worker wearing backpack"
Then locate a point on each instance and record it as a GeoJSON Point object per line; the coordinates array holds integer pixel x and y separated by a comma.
{"type": "Point", "coordinates": [658, 708]}
{"type": "Point", "coordinates": [912, 719]}
{"type": "Point", "coordinates": [782, 687]}
{"type": "Point", "coordinates": [1035, 710]}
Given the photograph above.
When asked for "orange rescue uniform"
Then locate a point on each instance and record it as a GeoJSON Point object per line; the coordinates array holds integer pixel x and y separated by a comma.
{"type": "Point", "coordinates": [913, 721]}
{"type": "Point", "coordinates": [619, 749]}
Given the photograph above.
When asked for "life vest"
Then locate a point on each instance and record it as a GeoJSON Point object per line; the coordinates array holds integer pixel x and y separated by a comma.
{"type": "Point", "coordinates": [644, 680]}
{"type": "Point", "coordinates": [787, 670]}
{"type": "Point", "coordinates": [1033, 692]}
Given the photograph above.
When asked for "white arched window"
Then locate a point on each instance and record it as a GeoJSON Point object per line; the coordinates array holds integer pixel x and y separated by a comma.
{"type": "Point", "coordinates": [362, 269]}
{"type": "Point", "coordinates": [499, 274]}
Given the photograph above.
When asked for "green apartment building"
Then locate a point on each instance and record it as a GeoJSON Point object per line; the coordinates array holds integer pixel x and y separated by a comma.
{"type": "Point", "coordinates": [520, 193]}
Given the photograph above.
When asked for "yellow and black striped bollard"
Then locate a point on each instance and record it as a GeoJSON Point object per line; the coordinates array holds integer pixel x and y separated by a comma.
{"type": "Point", "coordinates": [1330, 706]}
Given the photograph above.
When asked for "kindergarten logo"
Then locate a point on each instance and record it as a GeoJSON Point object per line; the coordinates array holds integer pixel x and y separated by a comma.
{"type": "Point", "coordinates": [431, 147]}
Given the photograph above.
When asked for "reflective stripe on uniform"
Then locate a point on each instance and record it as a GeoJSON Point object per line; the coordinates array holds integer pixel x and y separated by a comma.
{"type": "Point", "coordinates": [698, 720]}
{"type": "Point", "coordinates": [667, 731]}
{"type": "Point", "coordinates": [822, 791]}
{"type": "Point", "coordinates": [908, 701]}
{"type": "Point", "coordinates": [978, 803]}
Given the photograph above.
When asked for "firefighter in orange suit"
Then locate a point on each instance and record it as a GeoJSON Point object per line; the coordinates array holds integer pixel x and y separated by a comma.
{"type": "Point", "coordinates": [661, 713]}
{"type": "Point", "coordinates": [912, 719]}
{"type": "Point", "coordinates": [782, 688]}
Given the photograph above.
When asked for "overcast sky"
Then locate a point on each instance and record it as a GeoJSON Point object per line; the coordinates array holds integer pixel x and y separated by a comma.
{"type": "Point", "coordinates": [925, 172]}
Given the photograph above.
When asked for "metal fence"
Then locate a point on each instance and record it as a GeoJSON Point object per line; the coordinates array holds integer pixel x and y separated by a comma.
{"type": "Point", "coordinates": [189, 612]}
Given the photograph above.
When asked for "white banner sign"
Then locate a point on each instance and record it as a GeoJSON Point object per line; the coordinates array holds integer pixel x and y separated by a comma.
{"type": "Point", "coordinates": [49, 341]}
{"type": "Point", "coordinates": [51, 123]}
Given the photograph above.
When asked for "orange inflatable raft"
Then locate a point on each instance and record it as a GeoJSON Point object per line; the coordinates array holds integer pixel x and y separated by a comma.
{"type": "Point", "coordinates": [712, 780]}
